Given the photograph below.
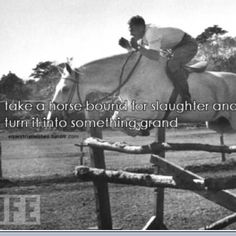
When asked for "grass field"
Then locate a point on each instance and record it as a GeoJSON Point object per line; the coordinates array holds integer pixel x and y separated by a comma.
{"type": "Point", "coordinates": [72, 205]}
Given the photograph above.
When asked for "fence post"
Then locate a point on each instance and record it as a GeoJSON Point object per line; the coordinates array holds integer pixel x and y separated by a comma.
{"type": "Point", "coordinates": [159, 211]}
{"type": "Point", "coordinates": [156, 222]}
{"type": "Point", "coordinates": [223, 159]}
{"type": "Point", "coordinates": [0, 160]}
{"type": "Point", "coordinates": [102, 199]}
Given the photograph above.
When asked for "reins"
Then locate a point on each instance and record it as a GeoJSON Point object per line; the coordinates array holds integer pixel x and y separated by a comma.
{"type": "Point", "coordinates": [121, 84]}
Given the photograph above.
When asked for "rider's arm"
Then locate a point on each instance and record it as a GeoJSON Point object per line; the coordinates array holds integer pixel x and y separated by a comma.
{"type": "Point", "coordinates": [149, 53]}
{"type": "Point", "coordinates": [153, 41]}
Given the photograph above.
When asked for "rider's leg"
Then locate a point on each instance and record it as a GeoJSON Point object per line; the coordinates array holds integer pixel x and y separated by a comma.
{"type": "Point", "coordinates": [179, 80]}
{"type": "Point", "coordinates": [175, 68]}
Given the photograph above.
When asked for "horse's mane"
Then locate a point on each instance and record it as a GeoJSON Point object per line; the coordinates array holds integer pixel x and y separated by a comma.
{"type": "Point", "coordinates": [112, 59]}
{"type": "Point", "coordinates": [107, 63]}
{"type": "Point", "coordinates": [106, 59]}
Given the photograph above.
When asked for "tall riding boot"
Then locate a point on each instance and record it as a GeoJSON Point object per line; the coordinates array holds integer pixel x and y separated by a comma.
{"type": "Point", "coordinates": [179, 79]}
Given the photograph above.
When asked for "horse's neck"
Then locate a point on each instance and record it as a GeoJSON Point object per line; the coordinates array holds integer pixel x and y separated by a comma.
{"type": "Point", "coordinates": [104, 75]}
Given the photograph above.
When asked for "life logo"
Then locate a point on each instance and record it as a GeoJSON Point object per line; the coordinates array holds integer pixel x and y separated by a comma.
{"type": "Point", "coordinates": [19, 209]}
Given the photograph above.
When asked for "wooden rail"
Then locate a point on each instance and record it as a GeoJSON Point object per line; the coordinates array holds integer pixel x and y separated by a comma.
{"type": "Point", "coordinates": [221, 197]}
{"type": "Point", "coordinates": [155, 147]}
{"type": "Point", "coordinates": [222, 223]}
{"type": "Point", "coordinates": [123, 177]}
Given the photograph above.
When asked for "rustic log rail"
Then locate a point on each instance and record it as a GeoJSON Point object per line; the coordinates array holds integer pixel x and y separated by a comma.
{"type": "Point", "coordinates": [155, 147]}
{"type": "Point", "coordinates": [222, 223]}
{"type": "Point", "coordinates": [146, 180]}
{"type": "Point", "coordinates": [223, 198]}
{"type": "Point", "coordinates": [180, 181]}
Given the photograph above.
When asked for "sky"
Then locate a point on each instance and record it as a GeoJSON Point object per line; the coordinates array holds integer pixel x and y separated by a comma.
{"type": "Point", "coordinates": [32, 31]}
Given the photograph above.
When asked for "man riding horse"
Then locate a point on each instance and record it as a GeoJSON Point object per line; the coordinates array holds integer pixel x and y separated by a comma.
{"type": "Point", "coordinates": [150, 40]}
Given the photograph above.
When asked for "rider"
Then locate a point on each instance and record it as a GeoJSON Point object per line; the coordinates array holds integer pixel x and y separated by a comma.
{"type": "Point", "coordinates": [149, 40]}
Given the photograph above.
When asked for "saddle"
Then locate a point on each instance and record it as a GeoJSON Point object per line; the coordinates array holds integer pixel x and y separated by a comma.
{"type": "Point", "coordinates": [198, 67]}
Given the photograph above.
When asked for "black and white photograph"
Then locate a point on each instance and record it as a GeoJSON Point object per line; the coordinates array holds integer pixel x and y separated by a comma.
{"type": "Point", "coordinates": [117, 115]}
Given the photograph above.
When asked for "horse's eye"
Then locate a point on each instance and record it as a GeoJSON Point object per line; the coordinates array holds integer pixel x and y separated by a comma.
{"type": "Point", "coordinates": [65, 90]}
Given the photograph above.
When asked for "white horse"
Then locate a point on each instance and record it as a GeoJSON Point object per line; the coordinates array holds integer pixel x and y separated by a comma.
{"type": "Point", "coordinates": [145, 81]}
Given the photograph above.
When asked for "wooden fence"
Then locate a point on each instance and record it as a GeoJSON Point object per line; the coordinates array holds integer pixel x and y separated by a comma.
{"type": "Point", "coordinates": [212, 189]}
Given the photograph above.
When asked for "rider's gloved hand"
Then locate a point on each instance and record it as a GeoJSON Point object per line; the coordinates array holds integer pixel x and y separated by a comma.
{"type": "Point", "coordinates": [124, 43]}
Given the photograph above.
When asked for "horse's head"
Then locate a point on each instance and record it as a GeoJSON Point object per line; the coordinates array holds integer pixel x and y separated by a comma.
{"type": "Point", "coordinates": [66, 93]}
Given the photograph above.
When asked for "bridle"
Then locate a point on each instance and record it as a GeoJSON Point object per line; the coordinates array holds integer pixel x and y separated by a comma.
{"type": "Point", "coordinates": [114, 93]}
{"type": "Point", "coordinates": [75, 88]}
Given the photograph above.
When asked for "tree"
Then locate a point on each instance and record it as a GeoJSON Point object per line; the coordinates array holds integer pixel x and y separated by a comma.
{"type": "Point", "coordinates": [219, 50]}
{"type": "Point", "coordinates": [12, 87]}
{"type": "Point", "coordinates": [209, 33]}
{"type": "Point", "coordinates": [42, 70]}
{"type": "Point", "coordinates": [48, 75]}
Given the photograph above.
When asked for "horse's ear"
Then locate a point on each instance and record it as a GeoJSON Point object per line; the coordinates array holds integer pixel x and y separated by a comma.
{"type": "Point", "coordinates": [69, 69]}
